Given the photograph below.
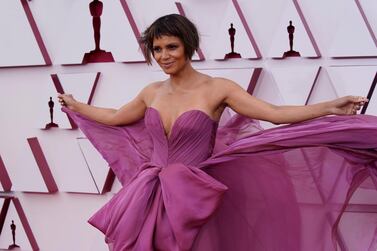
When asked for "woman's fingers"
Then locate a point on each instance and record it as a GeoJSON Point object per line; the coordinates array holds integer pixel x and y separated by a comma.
{"type": "Point", "coordinates": [360, 99]}
{"type": "Point", "coordinates": [61, 98]}
{"type": "Point", "coordinates": [62, 103]}
{"type": "Point", "coordinates": [359, 102]}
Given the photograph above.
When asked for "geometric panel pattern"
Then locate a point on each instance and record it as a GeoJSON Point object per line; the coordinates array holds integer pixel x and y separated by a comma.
{"type": "Point", "coordinates": [295, 88]}
{"type": "Point", "coordinates": [340, 27]}
{"type": "Point", "coordinates": [18, 45]}
{"type": "Point", "coordinates": [342, 63]}
{"type": "Point", "coordinates": [43, 165]}
{"type": "Point", "coordinates": [36, 32]}
{"type": "Point", "coordinates": [102, 176]}
{"type": "Point", "coordinates": [82, 86]}
{"type": "Point", "coordinates": [280, 87]}
{"type": "Point", "coordinates": [160, 8]}
{"type": "Point", "coordinates": [76, 37]}
{"type": "Point", "coordinates": [215, 40]}
{"type": "Point", "coordinates": [351, 80]}
{"type": "Point", "coordinates": [17, 215]}
{"type": "Point", "coordinates": [303, 41]}
{"type": "Point", "coordinates": [198, 54]}
{"type": "Point", "coordinates": [369, 16]}
{"type": "Point", "coordinates": [71, 173]}
{"type": "Point", "coordinates": [323, 90]}
{"type": "Point", "coordinates": [220, 38]}
{"type": "Point", "coordinates": [352, 37]}
{"type": "Point", "coordinates": [340, 81]}
{"type": "Point", "coordinates": [5, 182]}
{"type": "Point", "coordinates": [247, 28]}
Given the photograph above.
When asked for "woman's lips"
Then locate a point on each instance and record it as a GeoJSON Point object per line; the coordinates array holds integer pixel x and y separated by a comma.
{"type": "Point", "coordinates": [167, 65]}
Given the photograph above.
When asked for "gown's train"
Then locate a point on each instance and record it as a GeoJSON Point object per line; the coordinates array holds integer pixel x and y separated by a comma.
{"type": "Point", "coordinates": [231, 186]}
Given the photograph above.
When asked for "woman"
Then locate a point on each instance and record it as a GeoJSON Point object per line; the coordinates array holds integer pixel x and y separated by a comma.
{"type": "Point", "coordinates": [192, 184]}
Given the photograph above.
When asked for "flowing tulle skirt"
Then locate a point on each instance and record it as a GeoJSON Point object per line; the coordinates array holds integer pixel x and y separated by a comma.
{"type": "Point", "coordinates": [290, 188]}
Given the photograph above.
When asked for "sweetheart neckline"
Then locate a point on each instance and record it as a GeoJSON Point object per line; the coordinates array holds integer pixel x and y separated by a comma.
{"type": "Point", "coordinates": [168, 136]}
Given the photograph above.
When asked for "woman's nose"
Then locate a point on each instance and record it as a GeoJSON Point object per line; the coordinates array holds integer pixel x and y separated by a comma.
{"type": "Point", "coordinates": [165, 54]}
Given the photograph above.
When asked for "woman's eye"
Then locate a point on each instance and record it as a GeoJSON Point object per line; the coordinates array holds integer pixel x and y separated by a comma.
{"type": "Point", "coordinates": [172, 47]}
{"type": "Point", "coordinates": [156, 49]}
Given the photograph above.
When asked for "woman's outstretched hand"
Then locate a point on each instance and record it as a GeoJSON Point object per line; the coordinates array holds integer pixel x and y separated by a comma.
{"type": "Point", "coordinates": [347, 105]}
{"type": "Point", "coordinates": [67, 100]}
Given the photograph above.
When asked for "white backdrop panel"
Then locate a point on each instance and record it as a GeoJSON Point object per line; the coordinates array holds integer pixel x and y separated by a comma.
{"type": "Point", "coordinates": [301, 41]}
{"type": "Point", "coordinates": [76, 33]}
{"type": "Point", "coordinates": [17, 44]}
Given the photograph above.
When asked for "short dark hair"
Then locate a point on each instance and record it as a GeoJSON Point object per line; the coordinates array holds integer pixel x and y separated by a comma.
{"type": "Point", "coordinates": [170, 25]}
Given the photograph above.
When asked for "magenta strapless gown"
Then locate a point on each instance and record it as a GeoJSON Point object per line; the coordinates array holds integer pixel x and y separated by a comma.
{"type": "Point", "coordinates": [231, 186]}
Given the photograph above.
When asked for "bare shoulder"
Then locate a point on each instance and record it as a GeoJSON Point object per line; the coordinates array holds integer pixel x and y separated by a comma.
{"type": "Point", "coordinates": [224, 84]}
{"type": "Point", "coordinates": [148, 93]}
{"type": "Point", "coordinates": [152, 87]}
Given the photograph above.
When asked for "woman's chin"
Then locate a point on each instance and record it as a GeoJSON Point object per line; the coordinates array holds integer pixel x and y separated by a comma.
{"type": "Point", "coordinates": [169, 71]}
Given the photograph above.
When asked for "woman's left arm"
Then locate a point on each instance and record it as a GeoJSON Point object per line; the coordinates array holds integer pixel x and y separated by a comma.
{"type": "Point", "coordinates": [245, 104]}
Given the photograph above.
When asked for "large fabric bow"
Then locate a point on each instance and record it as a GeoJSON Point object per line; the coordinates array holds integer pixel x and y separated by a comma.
{"type": "Point", "coordinates": [161, 208]}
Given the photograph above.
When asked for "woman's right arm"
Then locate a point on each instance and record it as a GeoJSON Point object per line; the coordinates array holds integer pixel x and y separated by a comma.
{"type": "Point", "coordinates": [128, 113]}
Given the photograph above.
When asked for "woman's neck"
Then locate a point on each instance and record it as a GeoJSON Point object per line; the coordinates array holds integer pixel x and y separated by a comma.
{"type": "Point", "coordinates": [184, 79]}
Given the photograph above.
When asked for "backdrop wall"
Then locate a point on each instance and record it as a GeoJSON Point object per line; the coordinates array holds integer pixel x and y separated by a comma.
{"type": "Point", "coordinates": [53, 180]}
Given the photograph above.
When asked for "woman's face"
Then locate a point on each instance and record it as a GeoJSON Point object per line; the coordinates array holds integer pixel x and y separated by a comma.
{"type": "Point", "coordinates": [169, 53]}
